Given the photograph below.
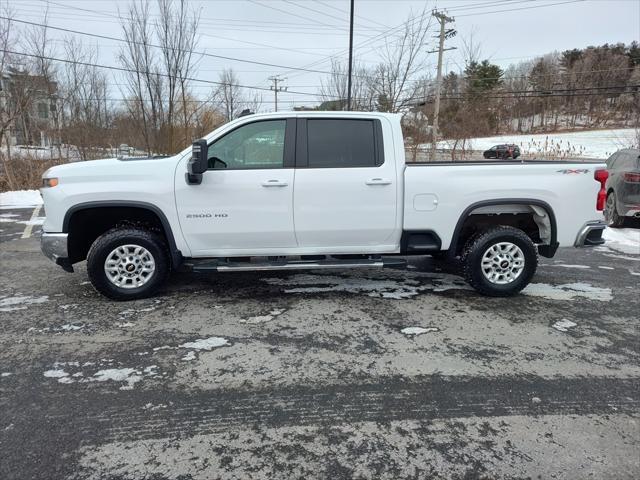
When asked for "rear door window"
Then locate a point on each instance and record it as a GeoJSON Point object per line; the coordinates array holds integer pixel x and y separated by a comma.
{"type": "Point", "coordinates": [341, 143]}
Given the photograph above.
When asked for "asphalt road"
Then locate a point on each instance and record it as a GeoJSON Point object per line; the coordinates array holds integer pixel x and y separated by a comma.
{"type": "Point", "coordinates": [314, 375]}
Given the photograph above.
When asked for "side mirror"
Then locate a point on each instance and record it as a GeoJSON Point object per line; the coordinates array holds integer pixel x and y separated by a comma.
{"type": "Point", "coordinates": [198, 163]}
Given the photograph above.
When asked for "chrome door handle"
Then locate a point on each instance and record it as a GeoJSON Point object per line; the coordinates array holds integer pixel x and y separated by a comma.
{"type": "Point", "coordinates": [378, 181]}
{"type": "Point", "coordinates": [274, 183]}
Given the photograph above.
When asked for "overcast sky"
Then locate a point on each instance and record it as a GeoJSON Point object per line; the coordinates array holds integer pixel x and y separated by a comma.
{"type": "Point", "coordinates": [305, 33]}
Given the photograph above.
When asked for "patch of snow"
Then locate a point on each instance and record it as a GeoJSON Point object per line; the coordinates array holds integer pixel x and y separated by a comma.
{"type": "Point", "coordinates": [33, 221]}
{"type": "Point", "coordinates": [565, 265]}
{"type": "Point", "coordinates": [408, 286]}
{"type": "Point", "coordinates": [191, 355]}
{"type": "Point", "coordinates": [20, 302]}
{"type": "Point", "coordinates": [623, 240]}
{"type": "Point", "coordinates": [418, 330]}
{"type": "Point", "coordinates": [163, 347]}
{"type": "Point", "coordinates": [205, 343]}
{"type": "Point", "coordinates": [605, 268]}
{"type": "Point", "coordinates": [69, 327]}
{"type": "Point", "coordinates": [6, 374]}
{"type": "Point", "coordinates": [67, 307]}
{"type": "Point", "coordinates": [568, 291]}
{"type": "Point", "coordinates": [125, 324]}
{"type": "Point", "coordinates": [330, 283]}
{"type": "Point", "coordinates": [264, 318]}
{"type": "Point", "coordinates": [564, 325]}
{"type": "Point", "coordinates": [130, 376]}
{"type": "Point", "coordinates": [55, 373]}
{"type": "Point", "coordinates": [634, 273]}
{"type": "Point", "coordinates": [20, 199]}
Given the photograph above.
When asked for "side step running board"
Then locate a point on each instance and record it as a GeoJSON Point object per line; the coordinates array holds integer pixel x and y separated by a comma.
{"type": "Point", "coordinates": [204, 266]}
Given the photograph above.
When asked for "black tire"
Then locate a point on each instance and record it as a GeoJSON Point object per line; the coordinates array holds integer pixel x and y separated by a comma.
{"type": "Point", "coordinates": [478, 245]}
{"type": "Point", "coordinates": [611, 215]}
{"type": "Point", "coordinates": [108, 242]}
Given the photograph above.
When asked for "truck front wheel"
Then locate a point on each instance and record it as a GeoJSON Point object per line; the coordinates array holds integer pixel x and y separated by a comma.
{"type": "Point", "coordinates": [127, 263]}
{"type": "Point", "coordinates": [499, 262]}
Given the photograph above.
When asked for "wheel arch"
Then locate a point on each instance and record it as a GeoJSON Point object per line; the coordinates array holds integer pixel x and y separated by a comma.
{"type": "Point", "coordinates": [139, 209]}
{"type": "Point", "coordinates": [546, 250]}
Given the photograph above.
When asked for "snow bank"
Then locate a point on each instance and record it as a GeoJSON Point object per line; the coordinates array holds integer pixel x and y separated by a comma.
{"type": "Point", "coordinates": [623, 240]}
{"type": "Point", "coordinates": [591, 144]}
{"type": "Point", "coordinates": [20, 199]}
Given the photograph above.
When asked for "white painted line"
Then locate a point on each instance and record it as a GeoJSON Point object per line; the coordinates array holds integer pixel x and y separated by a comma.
{"type": "Point", "coordinates": [29, 227]}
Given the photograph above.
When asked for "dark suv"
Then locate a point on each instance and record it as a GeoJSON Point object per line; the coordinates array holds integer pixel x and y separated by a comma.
{"type": "Point", "coordinates": [623, 187]}
{"type": "Point", "coordinates": [502, 151]}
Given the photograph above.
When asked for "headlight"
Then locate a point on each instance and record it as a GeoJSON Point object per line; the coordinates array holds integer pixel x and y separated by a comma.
{"type": "Point", "coordinates": [49, 182]}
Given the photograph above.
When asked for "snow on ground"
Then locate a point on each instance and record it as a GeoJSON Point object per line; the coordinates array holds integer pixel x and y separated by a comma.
{"type": "Point", "coordinates": [62, 371]}
{"type": "Point", "coordinates": [623, 240]}
{"type": "Point", "coordinates": [568, 291]}
{"type": "Point", "coordinates": [564, 325]}
{"type": "Point", "coordinates": [418, 330]}
{"type": "Point", "coordinates": [397, 289]}
{"type": "Point", "coordinates": [205, 343]}
{"type": "Point", "coordinates": [589, 144]}
{"type": "Point", "coordinates": [20, 302]}
{"type": "Point", "coordinates": [20, 199]}
{"type": "Point", "coordinates": [264, 318]}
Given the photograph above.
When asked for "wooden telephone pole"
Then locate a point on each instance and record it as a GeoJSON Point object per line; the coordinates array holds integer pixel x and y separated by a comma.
{"type": "Point", "coordinates": [276, 88]}
{"type": "Point", "coordinates": [444, 33]}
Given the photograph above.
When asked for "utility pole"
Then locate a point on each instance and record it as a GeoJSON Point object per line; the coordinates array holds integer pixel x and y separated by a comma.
{"type": "Point", "coordinates": [443, 19]}
{"type": "Point", "coordinates": [350, 56]}
{"type": "Point", "coordinates": [275, 79]}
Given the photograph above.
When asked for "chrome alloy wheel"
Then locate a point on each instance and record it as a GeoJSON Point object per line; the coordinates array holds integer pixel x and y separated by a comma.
{"type": "Point", "coordinates": [502, 263]}
{"type": "Point", "coordinates": [129, 266]}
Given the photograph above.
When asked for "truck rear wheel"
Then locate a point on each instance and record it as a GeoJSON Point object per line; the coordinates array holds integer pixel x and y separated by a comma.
{"type": "Point", "coordinates": [499, 262]}
{"type": "Point", "coordinates": [127, 263]}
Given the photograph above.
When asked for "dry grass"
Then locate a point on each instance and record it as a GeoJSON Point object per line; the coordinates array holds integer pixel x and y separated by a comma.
{"type": "Point", "coordinates": [550, 149]}
{"type": "Point", "coordinates": [23, 173]}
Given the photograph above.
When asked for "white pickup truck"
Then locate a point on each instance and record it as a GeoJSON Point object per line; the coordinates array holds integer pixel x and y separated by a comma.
{"type": "Point", "coordinates": [302, 190]}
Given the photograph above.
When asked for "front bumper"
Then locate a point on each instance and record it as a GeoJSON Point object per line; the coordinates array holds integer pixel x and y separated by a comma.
{"type": "Point", "coordinates": [590, 234]}
{"type": "Point", "coordinates": [54, 247]}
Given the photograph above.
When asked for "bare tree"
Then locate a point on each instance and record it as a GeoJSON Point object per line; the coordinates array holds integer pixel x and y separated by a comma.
{"type": "Point", "coordinates": [333, 88]}
{"type": "Point", "coordinates": [403, 60]}
{"type": "Point", "coordinates": [85, 109]}
{"type": "Point", "coordinates": [37, 43]}
{"type": "Point", "coordinates": [13, 100]}
{"type": "Point", "coordinates": [177, 35]}
{"type": "Point", "coordinates": [229, 94]}
{"type": "Point", "coordinates": [144, 84]}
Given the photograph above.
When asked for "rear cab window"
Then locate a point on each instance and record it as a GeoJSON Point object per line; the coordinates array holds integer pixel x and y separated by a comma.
{"type": "Point", "coordinates": [339, 143]}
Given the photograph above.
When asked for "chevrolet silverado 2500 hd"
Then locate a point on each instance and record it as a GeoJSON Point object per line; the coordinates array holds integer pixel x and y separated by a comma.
{"type": "Point", "coordinates": [303, 190]}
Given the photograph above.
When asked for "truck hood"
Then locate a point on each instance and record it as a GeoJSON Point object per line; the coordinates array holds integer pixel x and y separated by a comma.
{"type": "Point", "coordinates": [112, 166]}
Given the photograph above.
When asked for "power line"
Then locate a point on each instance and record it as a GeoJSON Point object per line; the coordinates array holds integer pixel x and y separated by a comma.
{"type": "Point", "coordinates": [521, 8]}
{"type": "Point", "coordinates": [205, 54]}
{"type": "Point", "coordinates": [164, 75]}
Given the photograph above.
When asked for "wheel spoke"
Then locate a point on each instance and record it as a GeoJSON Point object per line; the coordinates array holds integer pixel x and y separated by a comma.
{"type": "Point", "coordinates": [129, 266]}
{"type": "Point", "coordinates": [502, 263]}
